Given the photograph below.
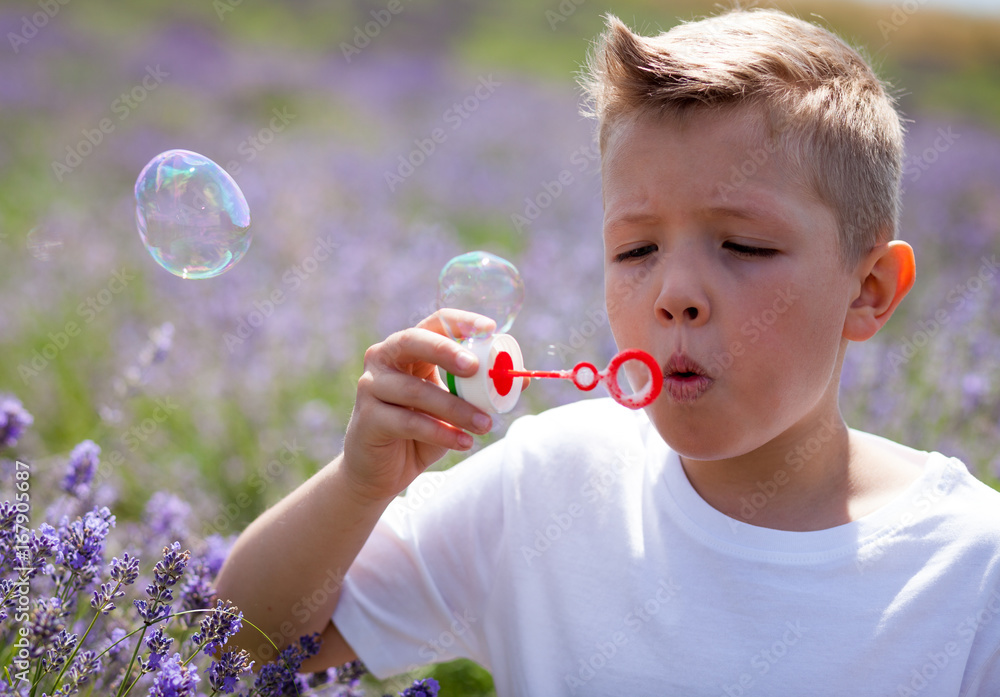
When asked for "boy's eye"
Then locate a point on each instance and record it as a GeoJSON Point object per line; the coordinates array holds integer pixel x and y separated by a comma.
{"type": "Point", "coordinates": [745, 251]}
{"type": "Point", "coordinates": [636, 254]}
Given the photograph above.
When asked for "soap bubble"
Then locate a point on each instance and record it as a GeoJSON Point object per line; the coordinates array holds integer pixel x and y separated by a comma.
{"type": "Point", "coordinates": [484, 283]}
{"type": "Point", "coordinates": [191, 215]}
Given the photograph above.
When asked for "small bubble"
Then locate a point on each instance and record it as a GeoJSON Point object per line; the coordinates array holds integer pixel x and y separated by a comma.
{"type": "Point", "coordinates": [483, 283]}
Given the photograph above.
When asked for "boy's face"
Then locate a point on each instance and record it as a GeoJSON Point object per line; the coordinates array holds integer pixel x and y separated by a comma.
{"type": "Point", "coordinates": [688, 205]}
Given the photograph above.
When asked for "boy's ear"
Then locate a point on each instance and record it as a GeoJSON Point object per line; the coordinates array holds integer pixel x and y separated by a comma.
{"type": "Point", "coordinates": [887, 274]}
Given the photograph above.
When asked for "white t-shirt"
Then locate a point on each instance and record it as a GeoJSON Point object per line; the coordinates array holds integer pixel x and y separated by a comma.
{"type": "Point", "coordinates": [573, 557]}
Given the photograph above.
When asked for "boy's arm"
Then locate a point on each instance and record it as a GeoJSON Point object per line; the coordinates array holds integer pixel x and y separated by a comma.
{"type": "Point", "coordinates": [286, 568]}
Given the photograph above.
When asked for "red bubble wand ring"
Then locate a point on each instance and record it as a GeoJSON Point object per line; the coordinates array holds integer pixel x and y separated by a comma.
{"type": "Point", "coordinates": [586, 377]}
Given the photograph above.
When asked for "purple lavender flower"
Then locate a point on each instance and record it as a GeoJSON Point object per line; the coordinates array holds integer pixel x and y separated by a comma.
{"type": "Point", "coordinates": [44, 624]}
{"type": "Point", "coordinates": [7, 594]}
{"type": "Point", "coordinates": [123, 573]}
{"type": "Point", "coordinates": [277, 679]}
{"type": "Point", "coordinates": [224, 673]}
{"type": "Point", "coordinates": [80, 470]}
{"type": "Point", "coordinates": [59, 650]}
{"type": "Point", "coordinates": [13, 420]}
{"type": "Point", "coordinates": [17, 690]}
{"type": "Point", "coordinates": [310, 644]}
{"type": "Point", "coordinates": [218, 625]}
{"type": "Point", "coordinates": [81, 544]}
{"type": "Point", "coordinates": [428, 687]}
{"type": "Point", "coordinates": [168, 570]}
{"type": "Point", "coordinates": [8, 534]}
{"type": "Point", "coordinates": [216, 550]}
{"type": "Point", "coordinates": [152, 611]}
{"type": "Point", "coordinates": [84, 666]}
{"type": "Point", "coordinates": [351, 673]}
{"type": "Point", "coordinates": [126, 570]}
{"type": "Point", "coordinates": [197, 592]}
{"type": "Point", "coordinates": [115, 645]}
{"type": "Point", "coordinates": [41, 548]}
{"type": "Point", "coordinates": [165, 515]}
{"type": "Point", "coordinates": [174, 679]}
{"type": "Point", "coordinates": [166, 573]}
{"type": "Point", "coordinates": [158, 645]}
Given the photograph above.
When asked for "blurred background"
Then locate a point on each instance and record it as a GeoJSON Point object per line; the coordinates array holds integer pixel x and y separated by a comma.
{"type": "Point", "coordinates": [208, 392]}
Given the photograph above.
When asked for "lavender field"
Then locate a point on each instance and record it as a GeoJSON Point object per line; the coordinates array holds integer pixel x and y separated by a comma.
{"type": "Point", "coordinates": [371, 148]}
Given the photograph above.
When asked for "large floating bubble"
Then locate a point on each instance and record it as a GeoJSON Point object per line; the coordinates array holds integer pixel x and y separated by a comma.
{"type": "Point", "coordinates": [484, 283]}
{"type": "Point", "coordinates": [191, 215]}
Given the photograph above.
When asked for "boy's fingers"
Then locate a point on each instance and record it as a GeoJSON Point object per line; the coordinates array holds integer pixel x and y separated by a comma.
{"type": "Point", "coordinates": [403, 350]}
{"type": "Point", "coordinates": [400, 389]}
{"type": "Point", "coordinates": [458, 324]}
{"type": "Point", "coordinates": [400, 423]}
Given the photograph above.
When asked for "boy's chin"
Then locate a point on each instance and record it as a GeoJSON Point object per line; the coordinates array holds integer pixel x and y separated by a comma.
{"type": "Point", "coordinates": [712, 441]}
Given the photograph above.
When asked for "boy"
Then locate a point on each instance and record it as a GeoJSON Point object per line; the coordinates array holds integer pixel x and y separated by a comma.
{"type": "Point", "coordinates": [736, 537]}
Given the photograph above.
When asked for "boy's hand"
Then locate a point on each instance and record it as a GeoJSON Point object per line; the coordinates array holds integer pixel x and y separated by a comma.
{"type": "Point", "coordinates": [404, 419]}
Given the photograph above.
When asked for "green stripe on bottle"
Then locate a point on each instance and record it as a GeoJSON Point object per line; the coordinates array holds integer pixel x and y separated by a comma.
{"type": "Point", "coordinates": [450, 379]}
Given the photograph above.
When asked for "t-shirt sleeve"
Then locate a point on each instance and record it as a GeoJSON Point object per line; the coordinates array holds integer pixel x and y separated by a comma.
{"type": "Point", "coordinates": [417, 592]}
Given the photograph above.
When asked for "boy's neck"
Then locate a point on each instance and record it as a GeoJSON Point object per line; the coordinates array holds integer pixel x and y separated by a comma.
{"type": "Point", "coordinates": [818, 477]}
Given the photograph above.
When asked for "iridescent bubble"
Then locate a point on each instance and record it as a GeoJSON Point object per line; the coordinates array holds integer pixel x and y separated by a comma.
{"type": "Point", "coordinates": [191, 215]}
{"type": "Point", "coordinates": [484, 283]}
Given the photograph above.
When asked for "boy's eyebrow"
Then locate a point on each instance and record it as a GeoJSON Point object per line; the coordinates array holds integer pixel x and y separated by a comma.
{"type": "Point", "coordinates": [752, 212]}
{"type": "Point", "coordinates": [743, 212]}
{"type": "Point", "coordinates": [636, 218]}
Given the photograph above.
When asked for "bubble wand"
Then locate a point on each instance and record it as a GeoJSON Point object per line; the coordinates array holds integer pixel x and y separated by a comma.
{"type": "Point", "coordinates": [586, 377]}
{"type": "Point", "coordinates": [491, 286]}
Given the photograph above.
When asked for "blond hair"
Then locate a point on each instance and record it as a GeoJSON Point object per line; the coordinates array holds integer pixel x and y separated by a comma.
{"type": "Point", "coordinates": [821, 99]}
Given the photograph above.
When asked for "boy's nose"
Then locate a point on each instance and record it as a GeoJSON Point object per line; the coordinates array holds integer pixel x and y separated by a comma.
{"type": "Point", "coordinates": [690, 312]}
{"type": "Point", "coordinates": [682, 300]}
